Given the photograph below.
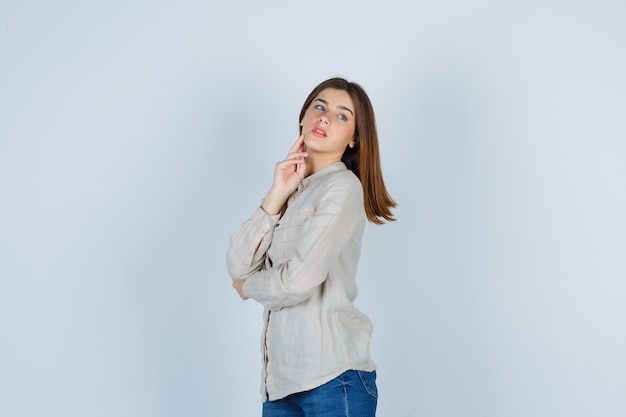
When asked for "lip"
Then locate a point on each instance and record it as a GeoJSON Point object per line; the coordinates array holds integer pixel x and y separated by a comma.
{"type": "Point", "coordinates": [320, 132]}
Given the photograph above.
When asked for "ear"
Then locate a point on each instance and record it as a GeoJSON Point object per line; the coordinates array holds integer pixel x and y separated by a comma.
{"type": "Point", "coordinates": [352, 143]}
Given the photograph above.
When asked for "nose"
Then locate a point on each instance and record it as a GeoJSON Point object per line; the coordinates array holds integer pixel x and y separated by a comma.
{"type": "Point", "coordinates": [324, 119]}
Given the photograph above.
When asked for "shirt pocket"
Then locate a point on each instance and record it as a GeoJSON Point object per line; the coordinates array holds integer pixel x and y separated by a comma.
{"type": "Point", "coordinates": [287, 232]}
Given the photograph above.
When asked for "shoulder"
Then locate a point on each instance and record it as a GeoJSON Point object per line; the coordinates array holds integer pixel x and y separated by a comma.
{"type": "Point", "coordinates": [343, 179]}
{"type": "Point", "coordinates": [336, 184]}
{"type": "Point", "coordinates": [342, 187]}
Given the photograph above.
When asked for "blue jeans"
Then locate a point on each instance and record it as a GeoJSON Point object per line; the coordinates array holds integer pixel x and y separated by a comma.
{"type": "Point", "coordinates": [351, 394]}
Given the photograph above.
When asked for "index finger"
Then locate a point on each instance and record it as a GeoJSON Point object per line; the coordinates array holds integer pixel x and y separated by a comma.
{"type": "Point", "coordinates": [298, 146]}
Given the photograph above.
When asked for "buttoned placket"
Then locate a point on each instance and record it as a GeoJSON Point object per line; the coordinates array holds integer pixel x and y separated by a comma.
{"type": "Point", "coordinates": [265, 352]}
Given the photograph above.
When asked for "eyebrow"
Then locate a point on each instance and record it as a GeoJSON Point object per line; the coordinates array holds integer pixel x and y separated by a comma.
{"type": "Point", "coordinates": [339, 107]}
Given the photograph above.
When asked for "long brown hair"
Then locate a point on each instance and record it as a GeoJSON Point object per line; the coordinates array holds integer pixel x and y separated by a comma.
{"type": "Point", "coordinates": [363, 159]}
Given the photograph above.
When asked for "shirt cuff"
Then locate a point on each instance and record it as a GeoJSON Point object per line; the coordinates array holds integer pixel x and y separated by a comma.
{"type": "Point", "coordinates": [264, 221]}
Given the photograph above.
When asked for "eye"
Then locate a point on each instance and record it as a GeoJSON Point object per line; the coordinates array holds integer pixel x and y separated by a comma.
{"type": "Point", "coordinates": [343, 117]}
{"type": "Point", "coordinates": [319, 107]}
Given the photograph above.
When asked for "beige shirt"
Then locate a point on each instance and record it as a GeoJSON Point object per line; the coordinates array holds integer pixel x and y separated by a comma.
{"type": "Point", "coordinates": [301, 267]}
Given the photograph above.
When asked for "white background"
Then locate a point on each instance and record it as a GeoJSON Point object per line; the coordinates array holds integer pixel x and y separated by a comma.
{"type": "Point", "coordinates": [135, 136]}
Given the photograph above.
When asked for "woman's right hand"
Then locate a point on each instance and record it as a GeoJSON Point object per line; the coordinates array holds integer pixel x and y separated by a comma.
{"type": "Point", "coordinates": [287, 176]}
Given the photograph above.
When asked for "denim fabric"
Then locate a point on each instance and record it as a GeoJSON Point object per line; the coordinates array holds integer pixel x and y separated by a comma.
{"type": "Point", "coordinates": [351, 394]}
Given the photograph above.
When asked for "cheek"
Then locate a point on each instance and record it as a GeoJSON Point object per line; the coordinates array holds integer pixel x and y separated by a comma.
{"type": "Point", "coordinates": [306, 120]}
{"type": "Point", "coordinates": [348, 132]}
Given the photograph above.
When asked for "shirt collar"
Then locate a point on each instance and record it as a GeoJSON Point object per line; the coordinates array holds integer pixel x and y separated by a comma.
{"type": "Point", "coordinates": [334, 167]}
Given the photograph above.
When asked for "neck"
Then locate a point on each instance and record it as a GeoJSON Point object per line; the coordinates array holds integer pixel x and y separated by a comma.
{"type": "Point", "coordinates": [317, 162]}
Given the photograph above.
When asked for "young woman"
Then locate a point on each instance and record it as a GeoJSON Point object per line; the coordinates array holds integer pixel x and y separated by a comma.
{"type": "Point", "coordinates": [298, 253]}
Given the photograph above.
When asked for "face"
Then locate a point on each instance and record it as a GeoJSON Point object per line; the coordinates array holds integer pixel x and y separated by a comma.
{"type": "Point", "coordinates": [328, 124]}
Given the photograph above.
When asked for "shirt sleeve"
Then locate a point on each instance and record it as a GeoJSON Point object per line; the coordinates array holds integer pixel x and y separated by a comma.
{"type": "Point", "coordinates": [322, 240]}
{"type": "Point", "coordinates": [249, 243]}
